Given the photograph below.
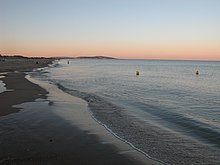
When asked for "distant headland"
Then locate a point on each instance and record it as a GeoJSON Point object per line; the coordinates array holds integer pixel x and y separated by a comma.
{"type": "Point", "coordinates": [12, 57]}
{"type": "Point", "coordinates": [58, 57]}
{"type": "Point", "coordinates": [94, 57]}
{"type": "Point", "coordinates": [20, 57]}
{"type": "Point", "coordinates": [87, 57]}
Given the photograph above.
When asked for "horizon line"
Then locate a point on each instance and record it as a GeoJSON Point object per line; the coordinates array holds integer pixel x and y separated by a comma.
{"type": "Point", "coordinates": [76, 57]}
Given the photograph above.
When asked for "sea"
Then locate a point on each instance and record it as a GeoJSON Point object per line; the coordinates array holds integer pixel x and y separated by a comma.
{"type": "Point", "coordinates": [167, 112]}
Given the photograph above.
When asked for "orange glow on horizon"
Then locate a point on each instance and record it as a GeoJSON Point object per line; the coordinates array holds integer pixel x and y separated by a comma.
{"type": "Point", "coordinates": [125, 51]}
{"type": "Point", "coordinates": [152, 55]}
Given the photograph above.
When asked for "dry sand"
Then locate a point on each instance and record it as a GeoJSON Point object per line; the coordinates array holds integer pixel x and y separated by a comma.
{"type": "Point", "coordinates": [24, 65]}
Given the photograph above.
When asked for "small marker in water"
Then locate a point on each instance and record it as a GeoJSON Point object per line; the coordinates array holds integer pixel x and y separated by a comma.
{"type": "Point", "coordinates": [197, 72]}
{"type": "Point", "coordinates": [137, 73]}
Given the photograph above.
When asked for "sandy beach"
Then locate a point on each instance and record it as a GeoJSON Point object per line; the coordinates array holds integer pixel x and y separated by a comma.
{"type": "Point", "coordinates": [23, 65]}
{"type": "Point", "coordinates": [44, 125]}
{"type": "Point", "coordinates": [20, 90]}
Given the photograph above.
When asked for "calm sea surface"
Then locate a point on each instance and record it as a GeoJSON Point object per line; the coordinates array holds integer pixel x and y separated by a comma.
{"type": "Point", "coordinates": [168, 111]}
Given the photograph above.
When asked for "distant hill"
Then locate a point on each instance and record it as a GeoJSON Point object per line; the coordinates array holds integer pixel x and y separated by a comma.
{"type": "Point", "coordinates": [19, 57]}
{"type": "Point", "coordinates": [12, 57]}
{"type": "Point", "coordinates": [94, 57]}
{"type": "Point", "coordinates": [81, 57]}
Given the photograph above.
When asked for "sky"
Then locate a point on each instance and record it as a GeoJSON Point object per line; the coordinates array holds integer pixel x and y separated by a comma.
{"type": "Point", "coordinates": [136, 29]}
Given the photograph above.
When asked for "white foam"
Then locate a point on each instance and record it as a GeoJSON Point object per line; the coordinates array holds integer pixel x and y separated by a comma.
{"type": "Point", "coordinates": [122, 139]}
{"type": "Point", "coordinates": [2, 86]}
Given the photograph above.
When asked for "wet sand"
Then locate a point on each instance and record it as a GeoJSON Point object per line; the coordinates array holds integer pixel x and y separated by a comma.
{"type": "Point", "coordinates": [20, 90]}
{"type": "Point", "coordinates": [54, 128]}
{"type": "Point", "coordinates": [23, 90]}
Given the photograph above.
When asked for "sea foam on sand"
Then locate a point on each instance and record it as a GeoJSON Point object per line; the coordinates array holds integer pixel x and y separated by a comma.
{"type": "Point", "coordinates": [2, 85]}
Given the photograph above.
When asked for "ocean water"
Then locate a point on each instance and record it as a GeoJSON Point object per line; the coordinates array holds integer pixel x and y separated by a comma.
{"type": "Point", "coordinates": [167, 112]}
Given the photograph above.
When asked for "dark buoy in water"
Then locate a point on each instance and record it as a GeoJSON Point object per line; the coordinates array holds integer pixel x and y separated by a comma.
{"type": "Point", "coordinates": [197, 72]}
{"type": "Point", "coordinates": [137, 73]}
{"type": "Point", "coordinates": [68, 62]}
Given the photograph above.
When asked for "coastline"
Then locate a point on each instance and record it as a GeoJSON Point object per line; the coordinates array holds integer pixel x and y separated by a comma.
{"type": "Point", "coordinates": [24, 65]}
{"type": "Point", "coordinates": [42, 132]}
{"type": "Point", "coordinates": [20, 90]}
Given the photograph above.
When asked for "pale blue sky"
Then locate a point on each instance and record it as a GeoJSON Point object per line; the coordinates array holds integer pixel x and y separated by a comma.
{"type": "Point", "coordinates": [75, 25]}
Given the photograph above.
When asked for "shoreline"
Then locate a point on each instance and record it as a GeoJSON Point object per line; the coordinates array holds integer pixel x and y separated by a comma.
{"type": "Point", "coordinates": [96, 147]}
{"type": "Point", "coordinates": [18, 89]}
{"type": "Point", "coordinates": [101, 123]}
{"type": "Point", "coordinates": [24, 65]}
{"type": "Point", "coordinates": [85, 121]}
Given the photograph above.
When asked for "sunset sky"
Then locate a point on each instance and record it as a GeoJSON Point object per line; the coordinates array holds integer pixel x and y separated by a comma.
{"type": "Point", "coordinates": [142, 29]}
